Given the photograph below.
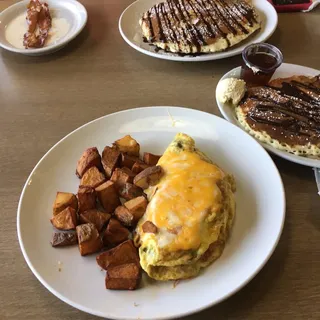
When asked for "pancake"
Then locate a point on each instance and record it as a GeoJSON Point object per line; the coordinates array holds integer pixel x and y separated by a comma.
{"type": "Point", "coordinates": [285, 114]}
{"type": "Point", "coordinates": [192, 207]}
{"type": "Point", "coordinates": [198, 26]}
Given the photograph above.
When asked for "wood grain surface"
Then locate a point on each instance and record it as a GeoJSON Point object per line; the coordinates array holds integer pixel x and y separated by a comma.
{"type": "Point", "coordinates": [44, 98]}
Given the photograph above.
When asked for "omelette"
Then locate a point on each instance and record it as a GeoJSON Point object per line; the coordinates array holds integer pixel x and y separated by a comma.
{"type": "Point", "coordinates": [191, 208]}
{"type": "Point", "coordinates": [196, 26]}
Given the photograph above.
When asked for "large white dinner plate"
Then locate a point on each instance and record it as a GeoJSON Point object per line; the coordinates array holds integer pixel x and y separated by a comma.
{"type": "Point", "coordinates": [70, 10]}
{"type": "Point", "coordinates": [285, 70]}
{"type": "Point", "coordinates": [257, 228]}
{"type": "Point", "coordinates": [131, 32]}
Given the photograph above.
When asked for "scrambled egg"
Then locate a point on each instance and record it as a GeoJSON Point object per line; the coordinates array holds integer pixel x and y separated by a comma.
{"type": "Point", "coordinates": [192, 207]}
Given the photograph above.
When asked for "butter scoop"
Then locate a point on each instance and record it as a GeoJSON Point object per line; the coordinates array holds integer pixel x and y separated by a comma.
{"type": "Point", "coordinates": [231, 90]}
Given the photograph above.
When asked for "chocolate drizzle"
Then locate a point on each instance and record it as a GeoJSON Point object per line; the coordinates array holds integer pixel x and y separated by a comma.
{"type": "Point", "coordinates": [290, 113]}
{"type": "Point", "coordinates": [195, 23]}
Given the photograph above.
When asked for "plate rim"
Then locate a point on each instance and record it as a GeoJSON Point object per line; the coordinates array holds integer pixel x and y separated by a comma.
{"type": "Point", "coordinates": [49, 49]}
{"type": "Point", "coordinates": [208, 57]}
{"type": "Point", "coordinates": [280, 153]}
{"type": "Point", "coordinates": [181, 314]}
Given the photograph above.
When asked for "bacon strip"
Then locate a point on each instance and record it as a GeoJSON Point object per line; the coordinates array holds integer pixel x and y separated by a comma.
{"type": "Point", "coordinates": [38, 15]}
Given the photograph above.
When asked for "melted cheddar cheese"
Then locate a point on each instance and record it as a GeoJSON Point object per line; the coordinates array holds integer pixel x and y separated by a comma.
{"type": "Point", "coordinates": [182, 199]}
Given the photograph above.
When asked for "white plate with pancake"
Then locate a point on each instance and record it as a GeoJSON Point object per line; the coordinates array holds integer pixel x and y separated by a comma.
{"type": "Point", "coordinates": [285, 70]}
{"type": "Point", "coordinates": [69, 17]}
{"type": "Point", "coordinates": [131, 32]}
{"type": "Point", "coordinates": [80, 282]}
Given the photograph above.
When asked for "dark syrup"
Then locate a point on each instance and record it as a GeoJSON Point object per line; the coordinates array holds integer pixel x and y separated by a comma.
{"type": "Point", "coordinates": [260, 69]}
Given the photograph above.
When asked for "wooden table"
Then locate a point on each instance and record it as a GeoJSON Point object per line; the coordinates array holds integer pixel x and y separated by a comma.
{"type": "Point", "coordinates": [44, 98]}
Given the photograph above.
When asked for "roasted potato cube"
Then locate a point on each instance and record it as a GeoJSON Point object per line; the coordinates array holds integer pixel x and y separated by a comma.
{"type": "Point", "coordinates": [98, 218]}
{"type": "Point", "coordinates": [65, 220]}
{"type": "Point", "coordinates": [148, 177]}
{"type": "Point", "coordinates": [124, 216]}
{"type": "Point", "coordinates": [86, 199]}
{"type": "Point", "coordinates": [132, 210]}
{"type": "Point", "coordinates": [108, 196]}
{"type": "Point", "coordinates": [129, 191]}
{"type": "Point", "coordinates": [128, 161]}
{"type": "Point", "coordinates": [120, 177]}
{"type": "Point", "coordinates": [110, 160]}
{"type": "Point", "coordinates": [150, 159]}
{"type": "Point", "coordinates": [124, 253]}
{"type": "Point", "coordinates": [123, 277]}
{"type": "Point", "coordinates": [88, 239]}
{"type": "Point", "coordinates": [149, 227]}
{"type": "Point", "coordinates": [90, 158]}
{"type": "Point", "coordinates": [62, 239]}
{"type": "Point", "coordinates": [129, 173]}
{"type": "Point", "coordinates": [115, 233]}
{"type": "Point", "coordinates": [137, 206]}
{"type": "Point", "coordinates": [138, 167]}
{"type": "Point", "coordinates": [64, 200]}
{"type": "Point", "coordinates": [92, 178]}
{"type": "Point", "coordinates": [128, 145]}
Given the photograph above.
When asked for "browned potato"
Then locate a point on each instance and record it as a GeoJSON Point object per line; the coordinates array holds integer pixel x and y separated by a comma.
{"type": "Point", "coordinates": [129, 191]}
{"type": "Point", "coordinates": [64, 200]}
{"type": "Point", "coordinates": [129, 173]}
{"type": "Point", "coordinates": [98, 218]}
{"type": "Point", "coordinates": [149, 227]}
{"type": "Point", "coordinates": [65, 220]}
{"type": "Point", "coordinates": [92, 178]}
{"type": "Point", "coordinates": [90, 158]}
{"type": "Point", "coordinates": [88, 239]}
{"type": "Point", "coordinates": [108, 196]}
{"type": "Point", "coordinates": [110, 160]}
{"type": "Point", "coordinates": [115, 233]}
{"type": "Point", "coordinates": [62, 239]}
{"type": "Point", "coordinates": [124, 216]}
{"type": "Point", "coordinates": [150, 159]}
{"type": "Point", "coordinates": [138, 167]}
{"type": "Point", "coordinates": [128, 145]}
{"type": "Point", "coordinates": [130, 213]}
{"type": "Point", "coordinates": [123, 277]}
{"type": "Point", "coordinates": [124, 253]}
{"type": "Point", "coordinates": [86, 199]}
{"type": "Point", "coordinates": [148, 177]}
{"type": "Point", "coordinates": [137, 206]}
{"type": "Point", "coordinates": [120, 177]}
{"type": "Point", "coordinates": [128, 161]}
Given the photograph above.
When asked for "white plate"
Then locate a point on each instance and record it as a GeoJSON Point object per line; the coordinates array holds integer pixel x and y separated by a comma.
{"type": "Point", "coordinates": [131, 32]}
{"type": "Point", "coordinates": [285, 70]}
{"type": "Point", "coordinates": [71, 10]}
{"type": "Point", "coordinates": [260, 215]}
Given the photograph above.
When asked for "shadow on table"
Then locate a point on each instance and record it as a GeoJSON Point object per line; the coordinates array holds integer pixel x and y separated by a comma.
{"type": "Point", "coordinates": [289, 170]}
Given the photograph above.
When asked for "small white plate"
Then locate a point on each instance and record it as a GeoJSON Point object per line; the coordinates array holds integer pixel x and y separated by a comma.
{"type": "Point", "coordinates": [259, 219]}
{"type": "Point", "coordinates": [72, 11]}
{"type": "Point", "coordinates": [284, 71]}
{"type": "Point", "coordinates": [131, 32]}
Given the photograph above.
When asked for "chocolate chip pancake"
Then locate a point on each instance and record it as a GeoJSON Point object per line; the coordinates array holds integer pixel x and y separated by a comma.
{"type": "Point", "coordinates": [285, 114]}
{"type": "Point", "coordinates": [198, 26]}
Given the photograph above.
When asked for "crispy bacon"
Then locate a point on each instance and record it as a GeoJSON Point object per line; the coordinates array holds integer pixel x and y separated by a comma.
{"type": "Point", "coordinates": [38, 19]}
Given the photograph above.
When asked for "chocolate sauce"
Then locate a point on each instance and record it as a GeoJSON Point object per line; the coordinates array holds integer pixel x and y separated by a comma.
{"type": "Point", "coordinates": [195, 23]}
{"type": "Point", "coordinates": [290, 114]}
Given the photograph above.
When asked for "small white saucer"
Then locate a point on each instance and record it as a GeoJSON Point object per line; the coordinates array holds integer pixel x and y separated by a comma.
{"type": "Point", "coordinates": [70, 10]}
